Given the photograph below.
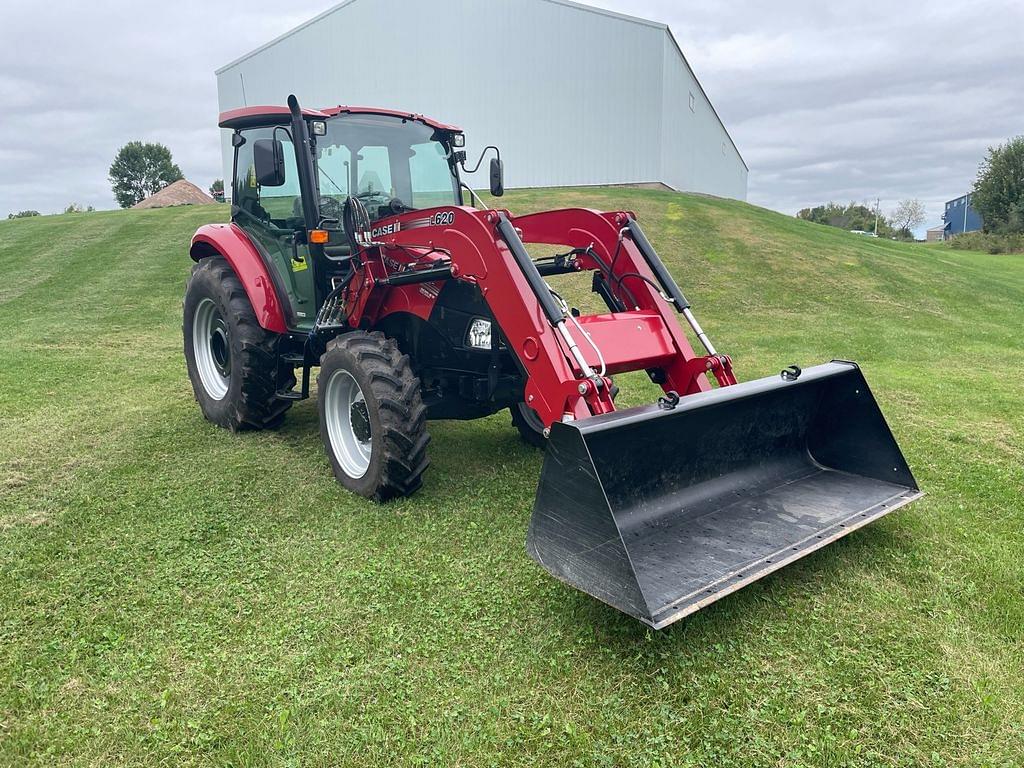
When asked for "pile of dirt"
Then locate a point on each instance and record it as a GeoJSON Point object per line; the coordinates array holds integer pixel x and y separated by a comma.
{"type": "Point", "coordinates": [181, 192]}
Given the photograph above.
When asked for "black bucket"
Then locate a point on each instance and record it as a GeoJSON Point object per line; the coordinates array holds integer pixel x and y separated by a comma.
{"type": "Point", "coordinates": [661, 512]}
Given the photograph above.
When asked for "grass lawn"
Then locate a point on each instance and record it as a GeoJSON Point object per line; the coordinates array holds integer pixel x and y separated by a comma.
{"type": "Point", "coordinates": [174, 594]}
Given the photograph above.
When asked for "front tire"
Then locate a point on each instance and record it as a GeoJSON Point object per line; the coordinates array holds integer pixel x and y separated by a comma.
{"type": "Point", "coordinates": [529, 425]}
{"type": "Point", "coordinates": [372, 417]}
{"type": "Point", "coordinates": [232, 361]}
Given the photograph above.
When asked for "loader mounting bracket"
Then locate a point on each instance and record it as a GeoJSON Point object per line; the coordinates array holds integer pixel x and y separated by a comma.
{"type": "Point", "coordinates": [719, 366]}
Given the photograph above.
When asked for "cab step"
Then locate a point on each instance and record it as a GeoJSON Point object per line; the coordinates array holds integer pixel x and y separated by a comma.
{"type": "Point", "coordinates": [294, 360]}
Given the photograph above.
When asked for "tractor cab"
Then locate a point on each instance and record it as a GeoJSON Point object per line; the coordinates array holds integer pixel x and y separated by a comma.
{"type": "Point", "coordinates": [391, 162]}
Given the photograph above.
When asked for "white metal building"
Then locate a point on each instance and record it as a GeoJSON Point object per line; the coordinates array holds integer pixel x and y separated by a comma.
{"type": "Point", "coordinates": [572, 95]}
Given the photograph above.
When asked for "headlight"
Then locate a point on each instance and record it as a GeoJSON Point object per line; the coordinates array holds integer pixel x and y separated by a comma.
{"type": "Point", "coordinates": [479, 335]}
{"type": "Point", "coordinates": [458, 139]}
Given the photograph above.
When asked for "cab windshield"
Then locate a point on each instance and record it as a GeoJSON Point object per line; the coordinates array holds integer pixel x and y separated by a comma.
{"type": "Point", "coordinates": [392, 165]}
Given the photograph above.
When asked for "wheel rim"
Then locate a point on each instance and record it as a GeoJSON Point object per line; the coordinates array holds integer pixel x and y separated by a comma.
{"type": "Point", "coordinates": [348, 424]}
{"type": "Point", "coordinates": [211, 342]}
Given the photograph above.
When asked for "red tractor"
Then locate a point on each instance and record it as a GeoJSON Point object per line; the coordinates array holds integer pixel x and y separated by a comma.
{"type": "Point", "coordinates": [352, 248]}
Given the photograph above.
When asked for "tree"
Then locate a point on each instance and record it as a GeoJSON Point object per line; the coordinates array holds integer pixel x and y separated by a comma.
{"type": "Point", "coordinates": [217, 189]}
{"type": "Point", "coordinates": [907, 215]}
{"type": "Point", "coordinates": [76, 208]}
{"type": "Point", "coordinates": [22, 214]}
{"type": "Point", "coordinates": [852, 216]}
{"type": "Point", "coordinates": [999, 189]}
{"type": "Point", "coordinates": [140, 170]}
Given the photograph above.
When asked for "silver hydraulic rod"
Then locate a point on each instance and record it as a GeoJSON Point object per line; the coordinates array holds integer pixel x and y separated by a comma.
{"type": "Point", "coordinates": [699, 331]}
{"type": "Point", "coordinates": [574, 350]}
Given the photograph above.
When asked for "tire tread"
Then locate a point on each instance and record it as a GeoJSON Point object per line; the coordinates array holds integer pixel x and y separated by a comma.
{"type": "Point", "coordinates": [257, 406]}
{"type": "Point", "coordinates": [403, 415]}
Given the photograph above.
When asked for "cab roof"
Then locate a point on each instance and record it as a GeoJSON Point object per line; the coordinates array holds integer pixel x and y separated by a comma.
{"type": "Point", "coordinates": [254, 117]}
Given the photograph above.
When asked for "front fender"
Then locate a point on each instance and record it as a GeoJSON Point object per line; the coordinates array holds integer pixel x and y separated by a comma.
{"type": "Point", "coordinates": [231, 242]}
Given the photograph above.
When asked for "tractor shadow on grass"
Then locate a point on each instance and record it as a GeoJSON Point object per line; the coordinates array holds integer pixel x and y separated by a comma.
{"type": "Point", "coordinates": [479, 467]}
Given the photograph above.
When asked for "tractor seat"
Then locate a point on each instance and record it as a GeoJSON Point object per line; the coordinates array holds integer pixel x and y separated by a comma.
{"type": "Point", "coordinates": [251, 205]}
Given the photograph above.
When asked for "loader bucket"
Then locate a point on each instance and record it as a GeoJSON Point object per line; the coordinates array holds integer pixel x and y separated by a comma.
{"type": "Point", "coordinates": [661, 512]}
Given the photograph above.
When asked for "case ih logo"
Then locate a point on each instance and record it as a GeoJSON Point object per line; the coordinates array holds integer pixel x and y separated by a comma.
{"type": "Point", "coordinates": [390, 229]}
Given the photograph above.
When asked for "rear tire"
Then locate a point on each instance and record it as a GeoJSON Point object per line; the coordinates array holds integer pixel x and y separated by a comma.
{"type": "Point", "coordinates": [232, 361]}
{"type": "Point", "coordinates": [531, 428]}
{"type": "Point", "coordinates": [372, 417]}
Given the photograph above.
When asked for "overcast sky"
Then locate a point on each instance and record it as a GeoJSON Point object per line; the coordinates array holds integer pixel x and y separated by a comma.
{"type": "Point", "coordinates": [826, 101]}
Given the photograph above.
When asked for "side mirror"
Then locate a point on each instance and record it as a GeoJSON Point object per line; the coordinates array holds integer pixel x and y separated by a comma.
{"type": "Point", "coordinates": [497, 177]}
{"type": "Point", "coordinates": [268, 156]}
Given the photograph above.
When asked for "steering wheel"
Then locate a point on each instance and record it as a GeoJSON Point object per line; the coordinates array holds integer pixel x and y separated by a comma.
{"type": "Point", "coordinates": [397, 206]}
{"type": "Point", "coordinates": [331, 207]}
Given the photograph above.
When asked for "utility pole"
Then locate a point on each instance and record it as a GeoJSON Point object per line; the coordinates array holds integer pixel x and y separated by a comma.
{"type": "Point", "coordinates": [878, 203]}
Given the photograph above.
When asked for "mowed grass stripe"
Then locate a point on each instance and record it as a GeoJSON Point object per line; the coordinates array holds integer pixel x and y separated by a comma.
{"type": "Point", "coordinates": [172, 593]}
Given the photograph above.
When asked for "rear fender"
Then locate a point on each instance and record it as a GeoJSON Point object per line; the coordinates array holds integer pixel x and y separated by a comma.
{"type": "Point", "coordinates": [231, 242]}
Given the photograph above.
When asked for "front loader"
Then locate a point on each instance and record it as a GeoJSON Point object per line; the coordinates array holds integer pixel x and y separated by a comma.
{"type": "Point", "coordinates": [352, 249]}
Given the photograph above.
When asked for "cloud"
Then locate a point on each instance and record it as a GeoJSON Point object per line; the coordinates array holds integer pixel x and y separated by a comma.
{"type": "Point", "coordinates": [826, 102]}
{"type": "Point", "coordinates": [882, 100]}
{"type": "Point", "coordinates": [82, 79]}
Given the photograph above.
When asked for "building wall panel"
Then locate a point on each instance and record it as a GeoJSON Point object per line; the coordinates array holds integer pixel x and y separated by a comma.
{"type": "Point", "coordinates": [572, 96]}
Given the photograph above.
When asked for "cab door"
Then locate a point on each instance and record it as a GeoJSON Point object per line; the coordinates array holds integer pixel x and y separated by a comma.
{"type": "Point", "coordinates": [272, 217]}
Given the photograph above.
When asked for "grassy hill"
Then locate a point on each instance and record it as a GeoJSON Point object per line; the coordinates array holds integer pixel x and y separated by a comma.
{"type": "Point", "coordinates": [172, 593]}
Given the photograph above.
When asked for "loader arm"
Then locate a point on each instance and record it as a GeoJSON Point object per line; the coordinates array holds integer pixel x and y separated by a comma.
{"type": "Point", "coordinates": [467, 240]}
{"type": "Point", "coordinates": [610, 246]}
{"type": "Point", "coordinates": [487, 248]}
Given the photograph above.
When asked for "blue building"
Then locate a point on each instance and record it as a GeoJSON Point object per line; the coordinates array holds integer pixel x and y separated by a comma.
{"type": "Point", "coordinates": [961, 217]}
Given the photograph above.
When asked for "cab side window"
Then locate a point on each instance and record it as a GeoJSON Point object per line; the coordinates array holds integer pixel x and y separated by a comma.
{"type": "Point", "coordinates": [280, 207]}
{"type": "Point", "coordinates": [431, 178]}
